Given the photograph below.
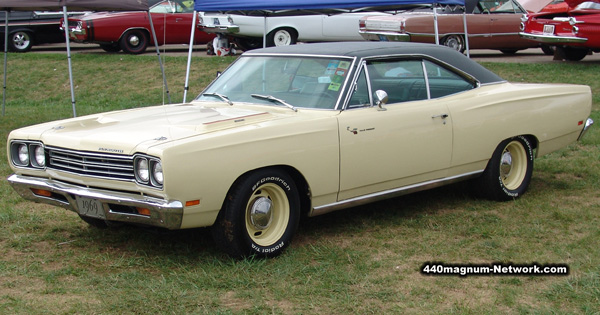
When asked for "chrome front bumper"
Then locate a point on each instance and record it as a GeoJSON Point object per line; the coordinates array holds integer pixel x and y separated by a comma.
{"type": "Point", "coordinates": [588, 123]}
{"type": "Point", "coordinates": [116, 206]}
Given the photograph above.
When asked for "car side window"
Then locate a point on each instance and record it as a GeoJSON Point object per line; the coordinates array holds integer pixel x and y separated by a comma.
{"type": "Point", "coordinates": [360, 95]}
{"type": "Point", "coordinates": [402, 80]}
{"type": "Point", "coordinates": [499, 6]}
{"type": "Point", "coordinates": [407, 80]}
{"type": "Point", "coordinates": [444, 82]}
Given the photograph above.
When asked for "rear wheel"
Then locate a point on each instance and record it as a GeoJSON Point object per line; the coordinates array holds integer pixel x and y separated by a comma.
{"type": "Point", "coordinates": [282, 37]}
{"type": "Point", "coordinates": [20, 41]}
{"type": "Point", "coordinates": [509, 171]}
{"type": "Point", "coordinates": [246, 44]}
{"type": "Point", "coordinates": [548, 50]}
{"type": "Point", "coordinates": [260, 215]}
{"type": "Point", "coordinates": [134, 42]}
{"type": "Point", "coordinates": [575, 54]}
{"type": "Point", "coordinates": [456, 42]}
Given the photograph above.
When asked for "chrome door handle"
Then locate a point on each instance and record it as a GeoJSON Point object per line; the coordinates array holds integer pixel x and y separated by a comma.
{"type": "Point", "coordinates": [442, 116]}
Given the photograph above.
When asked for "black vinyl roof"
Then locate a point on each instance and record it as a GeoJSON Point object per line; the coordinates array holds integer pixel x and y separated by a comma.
{"type": "Point", "coordinates": [368, 49]}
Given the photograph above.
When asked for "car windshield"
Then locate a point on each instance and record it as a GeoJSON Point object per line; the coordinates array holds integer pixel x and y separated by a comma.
{"type": "Point", "coordinates": [295, 82]}
{"type": "Point", "coordinates": [170, 7]}
{"type": "Point", "coordinates": [588, 6]}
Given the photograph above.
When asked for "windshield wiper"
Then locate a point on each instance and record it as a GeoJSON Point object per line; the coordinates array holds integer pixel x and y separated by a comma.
{"type": "Point", "coordinates": [270, 98]}
{"type": "Point", "coordinates": [220, 96]}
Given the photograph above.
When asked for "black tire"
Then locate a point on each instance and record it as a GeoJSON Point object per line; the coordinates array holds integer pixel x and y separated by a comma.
{"type": "Point", "coordinates": [97, 223]}
{"type": "Point", "coordinates": [20, 41]}
{"type": "Point", "coordinates": [575, 54]}
{"type": "Point", "coordinates": [508, 172]}
{"type": "Point", "coordinates": [260, 215]}
{"type": "Point", "coordinates": [509, 51]}
{"type": "Point", "coordinates": [247, 43]}
{"type": "Point", "coordinates": [113, 48]}
{"type": "Point", "coordinates": [282, 37]}
{"type": "Point", "coordinates": [134, 42]}
{"type": "Point", "coordinates": [548, 50]}
{"type": "Point", "coordinates": [456, 42]}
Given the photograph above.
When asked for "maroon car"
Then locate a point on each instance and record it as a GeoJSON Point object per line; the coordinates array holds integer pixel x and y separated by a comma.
{"type": "Point", "coordinates": [575, 33]}
{"type": "Point", "coordinates": [131, 32]}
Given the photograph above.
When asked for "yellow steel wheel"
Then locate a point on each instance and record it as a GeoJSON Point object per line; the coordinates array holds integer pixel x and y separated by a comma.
{"type": "Point", "coordinates": [267, 214]}
{"type": "Point", "coordinates": [513, 165]}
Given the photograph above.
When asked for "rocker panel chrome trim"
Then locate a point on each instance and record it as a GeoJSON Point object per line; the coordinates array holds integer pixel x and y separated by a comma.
{"type": "Point", "coordinates": [382, 195]}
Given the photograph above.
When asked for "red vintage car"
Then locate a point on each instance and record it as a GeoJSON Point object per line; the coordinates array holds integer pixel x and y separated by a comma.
{"type": "Point", "coordinates": [575, 33]}
{"type": "Point", "coordinates": [131, 32]}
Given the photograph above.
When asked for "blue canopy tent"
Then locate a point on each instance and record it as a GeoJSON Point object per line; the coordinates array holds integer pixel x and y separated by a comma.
{"type": "Point", "coordinates": [77, 5]}
{"type": "Point", "coordinates": [268, 8]}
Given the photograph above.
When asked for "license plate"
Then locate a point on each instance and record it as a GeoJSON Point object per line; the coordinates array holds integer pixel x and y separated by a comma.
{"type": "Point", "coordinates": [383, 38]}
{"type": "Point", "coordinates": [90, 208]}
{"type": "Point", "coordinates": [548, 29]}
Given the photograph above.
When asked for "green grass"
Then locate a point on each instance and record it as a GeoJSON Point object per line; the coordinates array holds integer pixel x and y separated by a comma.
{"type": "Point", "coordinates": [361, 260]}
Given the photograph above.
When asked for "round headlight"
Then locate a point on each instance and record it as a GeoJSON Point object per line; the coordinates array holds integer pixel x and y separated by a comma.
{"type": "Point", "coordinates": [157, 173]}
{"type": "Point", "coordinates": [40, 157]}
{"type": "Point", "coordinates": [23, 154]}
{"type": "Point", "coordinates": [142, 171]}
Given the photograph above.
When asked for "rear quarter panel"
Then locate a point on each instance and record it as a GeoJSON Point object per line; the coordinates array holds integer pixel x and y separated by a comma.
{"type": "Point", "coordinates": [549, 112]}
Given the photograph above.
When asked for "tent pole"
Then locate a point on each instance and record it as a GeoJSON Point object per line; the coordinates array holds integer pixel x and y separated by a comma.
{"type": "Point", "coordinates": [6, 16]}
{"type": "Point", "coordinates": [265, 31]}
{"type": "Point", "coordinates": [466, 33]}
{"type": "Point", "coordinates": [162, 70]}
{"type": "Point", "coordinates": [435, 25]}
{"type": "Point", "coordinates": [189, 61]}
{"type": "Point", "coordinates": [66, 26]}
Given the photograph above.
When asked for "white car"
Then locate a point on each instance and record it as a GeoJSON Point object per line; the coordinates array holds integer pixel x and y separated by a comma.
{"type": "Point", "coordinates": [247, 31]}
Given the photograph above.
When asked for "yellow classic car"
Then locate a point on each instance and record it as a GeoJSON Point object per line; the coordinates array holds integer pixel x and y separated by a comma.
{"type": "Point", "coordinates": [296, 131]}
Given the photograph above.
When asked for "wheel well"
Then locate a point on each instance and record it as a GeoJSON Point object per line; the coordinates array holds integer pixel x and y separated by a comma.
{"type": "Point", "coordinates": [534, 142]}
{"type": "Point", "coordinates": [301, 184]}
{"type": "Point", "coordinates": [137, 29]}
{"type": "Point", "coordinates": [289, 28]}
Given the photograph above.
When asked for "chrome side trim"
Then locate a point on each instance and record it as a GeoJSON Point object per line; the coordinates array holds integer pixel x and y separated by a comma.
{"type": "Point", "coordinates": [116, 205]}
{"type": "Point", "coordinates": [382, 195]}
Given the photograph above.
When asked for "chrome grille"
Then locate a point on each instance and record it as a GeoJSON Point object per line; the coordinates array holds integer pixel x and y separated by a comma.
{"type": "Point", "coordinates": [111, 166]}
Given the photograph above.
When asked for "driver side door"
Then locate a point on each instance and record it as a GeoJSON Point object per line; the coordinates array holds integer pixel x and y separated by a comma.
{"type": "Point", "coordinates": [405, 142]}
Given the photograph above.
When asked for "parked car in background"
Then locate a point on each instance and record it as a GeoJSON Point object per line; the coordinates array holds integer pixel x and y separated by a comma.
{"type": "Point", "coordinates": [300, 130]}
{"type": "Point", "coordinates": [130, 31]}
{"type": "Point", "coordinates": [29, 28]}
{"type": "Point", "coordinates": [575, 33]}
{"type": "Point", "coordinates": [247, 31]}
{"type": "Point", "coordinates": [491, 24]}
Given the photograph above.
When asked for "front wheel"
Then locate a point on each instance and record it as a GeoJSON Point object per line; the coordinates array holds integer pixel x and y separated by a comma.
{"type": "Point", "coordinates": [260, 215]}
{"type": "Point", "coordinates": [20, 41]}
{"type": "Point", "coordinates": [509, 171]}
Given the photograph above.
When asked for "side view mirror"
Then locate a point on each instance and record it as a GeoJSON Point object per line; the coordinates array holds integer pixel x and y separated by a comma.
{"type": "Point", "coordinates": [381, 98]}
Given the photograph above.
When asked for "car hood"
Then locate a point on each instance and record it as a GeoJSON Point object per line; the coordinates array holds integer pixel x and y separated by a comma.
{"type": "Point", "coordinates": [130, 131]}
